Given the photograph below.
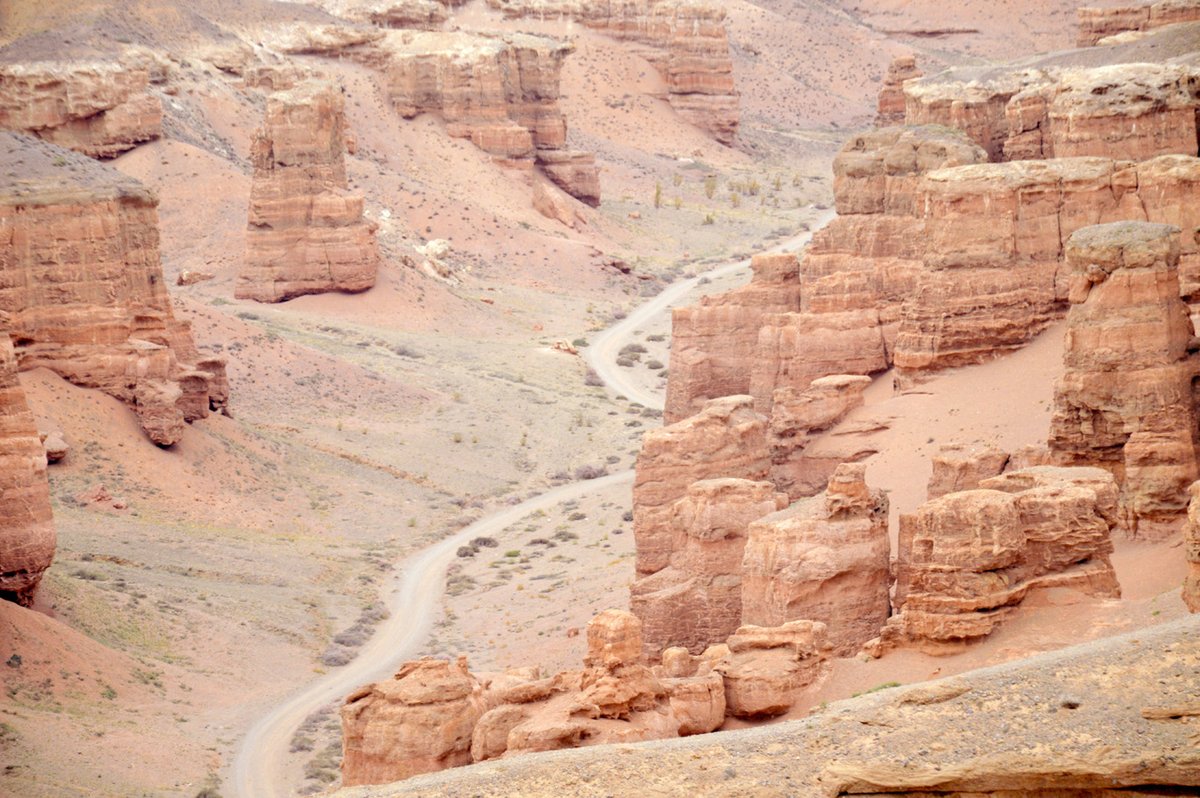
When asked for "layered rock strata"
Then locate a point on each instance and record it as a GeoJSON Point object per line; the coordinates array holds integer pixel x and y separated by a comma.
{"type": "Point", "coordinates": [1126, 398]}
{"type": "Point", "coordinates": [712, 342]}
{"type": "Point", "coordinates": [766, 669]}
{"type": "Point", "coordinates": [418, 721]}
{"type": "Point", "coordinates": [891, 94]}
{"type": "Point", "coordinates": [306, 232]}
{"type": "Point", "coordinates": [824, 559]}
{"type": "Point", "coordinates": [696, 600]}
{"type": "Point", "coordinates": [966, 559]}
{"type": "Point", "coordinates": [27, 537]}
{"type": "Point", "coordinates": [686, 41]}
{"type": "Point", "coordinates": [100, 109]}
{"type": "Point", "coordinates": [501, 93]}
{"type": "Point", "coordinates": [84, 288]}
{"type": "Point", "coordinates": [1096, 24]}
{"type": "Point", "coordinates": [726, 439]}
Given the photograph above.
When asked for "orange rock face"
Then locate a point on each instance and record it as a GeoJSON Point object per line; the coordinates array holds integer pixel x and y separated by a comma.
{"type": "Point", "coordinates": [696, 601]}
{"type": "Point", "coordinates": [823, 559]}
{"type": "Point", "coordinates": [1125, 400]}
{"type": "Point", "coordinates": [99, 109]}
{"type": "Point", "coordinates": [1100, 23]}
{"type": "Point", "coordinates": [686, 41]}
{"type": "Point", "coordinates": [891, 94]}
{"type": "Point", "coordinates": [27, 536]}
{"type": "Point", "coordinates": [713, 342]}
{"type": "Point", "coordinates": [306, 232]}
{"type": "Point", "coordinates": [967, 557]}
{"type": "Point", "coordinates": [1191, 540]}
{"type": "Point", "coordinates": [418, 721]}
{"type": "Point", "coordinates": [84, 288]}
{"type": "Point", "coordinates": [725, 439]}
{"type": "Point", "coordinates": [765, 670]}
{"type": "Point", "coordinates": [958, 468]}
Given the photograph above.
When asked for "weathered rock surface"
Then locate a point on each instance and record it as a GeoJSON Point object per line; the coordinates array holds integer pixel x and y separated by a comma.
{"type": "Point", "coordinates": [100, 109]}
{"type": "Point", "coordinates": [306, 233]}
{"type": "Point", "coordinates": [1125, 400]}
{"type": "Point", "coordinates": [418, 721]}
{"type": "Point", "coordinates": [713, 342]}
{"type": "Point", "coordinates": [957, 468]}
{"type": "Point", "coordinates": [1191, 542]}
{"type": "Point", "coordinates": [84, 288]}
{"type": "Point", "coordinates": [765, 670]}
{"type": "Point", "coordinates": [1096, 24]}
{"type": "Point", "coordinates": [967, 558]}
{"type": "Point", "coordinates": [1111, 715]}
{"type": "Point", "coordinates": [891, 94]}
{"type": "Point", "coordinates": [822, 559]}
{"type": "Point", "coordinates": [725, 439]}
{"type": "Point", "coordinates": [423, 14]}
{"type": "Point", "coordinates": [685, 40]}
{"type": "Point", "coordinates": [27, 537]}
{"type": "Point", "coordinates": [696, 601]}
{"type": "Point", "coordinates": [797, 417]}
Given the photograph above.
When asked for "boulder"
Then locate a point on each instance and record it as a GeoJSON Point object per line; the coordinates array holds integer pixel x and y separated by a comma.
{"type": "Point", "coordinates": [766, 669]}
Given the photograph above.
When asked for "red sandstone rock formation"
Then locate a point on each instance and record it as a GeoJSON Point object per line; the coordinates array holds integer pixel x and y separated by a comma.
{"type": "Point", "coordinates": [418, 721]}
{"type": "Point", "coordinates": [99, 109]}
{"type": "Point", "coordinates": [725, 439]}
{"type": "Point", "coordinates": [967, 558]}
{"type": "Point", "coordinates": [1125, 401]}
{"type": "Point", "coordinates": [1100, 23]}
{"type": "Point", "coordinates": [306, 232]}
{"type": "Point", "coordinates": [696, 601]}
{"type": "Point", "coordinates": [713, 342]}
{"type": "Point", "coordinates": [891, 94]}
{"type": "Point", "coordinates": [957, 468]}
{"type": "Point", "coordinates": [85, 292]}
{"type": "Point", "coordinates": [1191, 540]}
{"type": "Point", "coordinates": [686, 41]}
{"type": "Point", "coordinates": [822, 559]}
{"type": "Point", "coordinates": [765, 670]}
{"type": "Point", "coordinates": [27, 536]}
{"type": "Point", "coordinates": [797, 417]}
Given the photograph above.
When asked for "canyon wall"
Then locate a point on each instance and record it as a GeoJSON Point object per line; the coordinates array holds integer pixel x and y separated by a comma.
{"type": "Point", "coordinates": [686, 41]}
{"type": "Point", "coordinates": [27, 537]}
{"type": "Point", "coordinates": [100, 109]}
{"type": "Point", "coordinates": [83, 286]}
{"type": "Point", "coordinates": [306, 233]}
{"type": "Point", "coordinates": [1126, 398]}
{"type": "Point", "coordinates": [1100, 23]}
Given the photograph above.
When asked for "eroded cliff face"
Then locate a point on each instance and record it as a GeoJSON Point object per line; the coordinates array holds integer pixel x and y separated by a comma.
{"type": "Point", "coordinates": [306, 232]}
{"type": "Point", "coordinates": [1126, 399]}
{"type": "Point", "coordinates": [84, 289]}
{"type": "Point", "coordinates": [1096, 24]}
{"type": "Point", "coordinates": [686, 41]}
{"type": "Point", "coordinates": [27, 537]}
{"type": "Point", "coordinates": [891, 95]}
{"type": "Point", "coordinates": [100, 109]}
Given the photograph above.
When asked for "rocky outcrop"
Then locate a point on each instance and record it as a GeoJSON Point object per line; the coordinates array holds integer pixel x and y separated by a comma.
{"type": "Point", "coordinates": [685, 40]}
{"type": "Point", "coordinates": [824, 559]}
{"type": "Point", "coordinates": [967, 558]}
{"type": "Point", "coordinates": [861, 266]}
{"type": "Point", "coordinates": [100, 109]}
{"type": "Point", "coordinates": [958, 467]}
{"type": "Point", "coordinates": [1096, 24]}
{"type": "Point", "coordinates": [306, 233]}
{"type": "Point", "coordinates": [713, 342]}
{"type": "Point", "coordinates": [891, 94]}
{"type": "Point", "coordinates": [1129, 111]}
{"type": "Point", "coordinates": [1126, 399]}
{"type": "Point", "coordinates": [27, 537]}
{"type": "Point", "coordinates": [1191, 542]}
{"type": "Point", "coordinates": [797, 418]}
{"type": "Point", "coordinates": [84, 288]}
{"type": "Point", "coordinates": [725, 439]}
{"type": "Point", "coordinates": [696, 600]}
{"type": "Point", "coordinates": [418, 721]}
{"type": "Point", "coordinates": [421, 14]}
{"type": "Point", "coordinates": [501, 93]}
{"type": "Point", "coordinates": [765, 670]}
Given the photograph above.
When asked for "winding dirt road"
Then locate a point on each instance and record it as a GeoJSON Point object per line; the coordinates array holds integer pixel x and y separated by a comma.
{"type": "Point", "coordinates": [414, 595]}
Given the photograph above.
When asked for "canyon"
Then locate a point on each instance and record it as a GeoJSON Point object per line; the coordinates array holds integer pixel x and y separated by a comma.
{"type": "Point", "coordinates": [347, 446]}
